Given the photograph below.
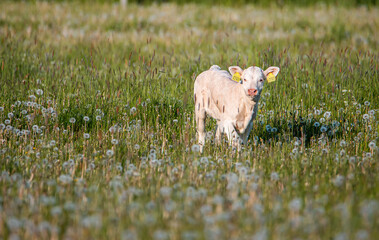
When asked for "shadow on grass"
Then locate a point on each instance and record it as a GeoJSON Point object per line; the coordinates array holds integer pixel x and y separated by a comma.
{"type": "Point", "coordinates": [299, 127]}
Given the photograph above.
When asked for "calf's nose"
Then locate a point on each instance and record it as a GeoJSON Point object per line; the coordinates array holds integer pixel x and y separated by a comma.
{"type": "Point", "coordinates": [252, 92]}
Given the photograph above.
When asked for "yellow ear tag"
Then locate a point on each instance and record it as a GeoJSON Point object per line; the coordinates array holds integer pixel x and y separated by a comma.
{"type": "Point", "coordinates": [270, 77]}
{"type": "Point", "coordinates": [236, 77]}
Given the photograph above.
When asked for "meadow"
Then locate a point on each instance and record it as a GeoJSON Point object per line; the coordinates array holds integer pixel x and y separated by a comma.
{"type": "Point", "coordinates": [97, 130]}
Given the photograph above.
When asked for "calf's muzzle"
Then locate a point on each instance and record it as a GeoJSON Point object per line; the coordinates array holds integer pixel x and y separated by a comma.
{"type": "Point", "coordinates": [252, 92]}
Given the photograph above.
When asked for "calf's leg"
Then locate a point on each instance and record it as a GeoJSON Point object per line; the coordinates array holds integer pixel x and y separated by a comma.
{"type": "Point", "coordinates": [219, 132]}
{"type": "Point", "coordinates": [245, 135]}
{"type": "Point", "coordinates": [200, 125]}
{"type": "Point", "coordinates": [233, 137]}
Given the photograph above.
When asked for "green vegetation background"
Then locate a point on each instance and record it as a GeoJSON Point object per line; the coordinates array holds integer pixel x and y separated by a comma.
{"type": "Point", "coordinates": [239, 3]}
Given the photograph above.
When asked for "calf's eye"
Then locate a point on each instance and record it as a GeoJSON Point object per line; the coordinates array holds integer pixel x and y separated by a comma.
{"type": "Point", "coordinates": [261, 80]}
{"type": "Point", "coordinates": [244, 79]}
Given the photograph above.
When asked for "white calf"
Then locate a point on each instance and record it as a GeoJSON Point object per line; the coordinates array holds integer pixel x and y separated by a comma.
{"type": "Point", "coordinates": [234, 105]}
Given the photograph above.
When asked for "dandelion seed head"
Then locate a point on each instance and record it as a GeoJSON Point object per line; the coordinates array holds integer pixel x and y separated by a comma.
{"type": "Point", "coordinates": [109, 153]}
{"type": "Point", "coordinates": [86, 135]}
{"type": "Point", "coordinates": [274, 176]}
{"type": "Point", "coordinates": [69, 206]}
{"type": "Point", "coordinates": [339, 180]}
{"type": "Point", "coordinates": [372, 145]}
{"type": "Point", "coordinates": [56, 211]}
{"type": "Point", "coordinates": [65, 179]}
{"type": "Point", "coordinates": [129, 234]}
{"type": "Point", "coordinates": [71, 162]}
{"type": "Point", "coordinates": [93, 221]}
{"type": "Point", "coordinates": [341, 236]}
{"type": "Point", "coordinates": [335, 124]}
{"type": "Point", "coordinates": [72, 120]}
{"type": "Point", "coordinates": [294, 183]}
{"type": "Point", "coordinates": [133, 110]}
{"type": "Point", "coordinates": [153, 156]}
{"type": "Point", "coordinates": [39, 92]}
{"type": "Point", "coordinates": [65, 164]}
{"type": "Point", "coordinates": [242, 171]}
{"type": "Point", "coordinates": [165, 191]}
{"type": "Point", "coordinates": [362, 235]}
{"type": "Point", "coordinates": [204, 160]}
{"type": "Point", "coordinates": [119, 168]}
{"type": "Point", "coordinates": [195, 148]}
{"type": "Point", "coordinates": [32, 98]}
{"type": "Point", "coordinates": [295, 204]}
{"type": "Point", "coordinates": [160, 235]}
{"type": "Point", "coordinates": [14, 224]}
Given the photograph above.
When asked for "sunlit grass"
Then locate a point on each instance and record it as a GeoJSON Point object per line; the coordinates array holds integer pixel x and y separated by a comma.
{"type": "Point", "coordinates": [97, 136]}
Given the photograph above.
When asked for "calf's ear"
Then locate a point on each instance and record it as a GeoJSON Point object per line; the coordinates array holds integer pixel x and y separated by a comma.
{"type": "Point", "coordinates": [273, 70]}
{"type": "Point", "coordinates": [234, 69]}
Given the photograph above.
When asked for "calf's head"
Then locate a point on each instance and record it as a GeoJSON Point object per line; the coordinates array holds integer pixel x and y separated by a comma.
{"type": "Point", "coordinates": [253, 78]}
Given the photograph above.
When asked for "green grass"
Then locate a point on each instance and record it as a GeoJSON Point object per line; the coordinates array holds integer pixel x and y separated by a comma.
{"type": "Point", "coordinates": [131, 71]}
{"type": "Point", "coordinates": [242, 3]}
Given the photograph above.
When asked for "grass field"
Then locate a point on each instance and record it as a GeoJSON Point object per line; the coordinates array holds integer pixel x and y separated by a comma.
{"type": "Point", "coordinates": [97, 132]}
